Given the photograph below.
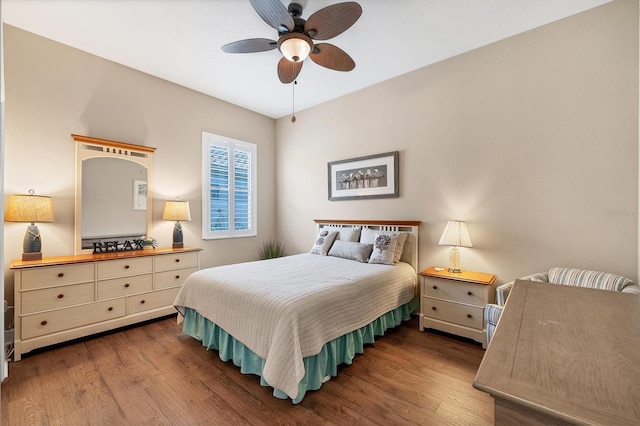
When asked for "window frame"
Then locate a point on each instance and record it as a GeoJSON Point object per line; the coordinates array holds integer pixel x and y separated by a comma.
{"type": "Point", "coordinates": [209, 139]}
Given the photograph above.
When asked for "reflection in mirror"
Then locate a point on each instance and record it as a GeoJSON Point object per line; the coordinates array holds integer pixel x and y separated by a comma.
{"type": "Point", "coordinates": [113, 192]}
{"type": "Point", "coordinates": [114, 200]}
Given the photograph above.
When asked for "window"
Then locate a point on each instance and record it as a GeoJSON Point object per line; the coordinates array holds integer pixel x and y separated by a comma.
{"type": "Point", "coordinates": [228, 187]}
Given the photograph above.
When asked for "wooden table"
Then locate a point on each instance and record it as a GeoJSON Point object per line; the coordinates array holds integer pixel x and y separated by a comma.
{"type": "Point", "coordinates": [564, 355]}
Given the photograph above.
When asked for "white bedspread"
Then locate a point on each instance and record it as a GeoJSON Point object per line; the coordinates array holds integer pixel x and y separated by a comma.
{"type": "Point", "coordinates": [287, 308]}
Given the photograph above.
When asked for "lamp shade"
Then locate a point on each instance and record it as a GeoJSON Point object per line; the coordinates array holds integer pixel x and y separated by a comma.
{"type": "Point", "coordinates": [455, 234]}
{"type": "Point", "coordinates": [176, 210]}
{"type": "Point", "coordinates": [29, 208]}
{"type": "Point", "coordinates": [295, 46]}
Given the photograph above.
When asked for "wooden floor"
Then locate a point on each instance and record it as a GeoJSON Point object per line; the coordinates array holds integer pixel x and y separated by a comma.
{"type": "Point", "coordinates": [154, 374]}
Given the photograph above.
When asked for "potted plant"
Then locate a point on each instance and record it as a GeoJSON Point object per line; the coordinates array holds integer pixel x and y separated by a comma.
{"type": "Point", "coordinates": [270, 250]}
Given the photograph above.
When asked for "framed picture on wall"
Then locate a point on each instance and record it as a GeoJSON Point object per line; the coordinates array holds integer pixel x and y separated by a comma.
{"type": "Point", "coordinates": [139, 194]}
{"type": "Point", "coordinates": [373, 176]}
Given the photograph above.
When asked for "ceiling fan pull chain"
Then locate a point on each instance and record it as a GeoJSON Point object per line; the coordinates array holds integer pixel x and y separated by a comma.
{"type": "Point", "coordinates": [293, 101]}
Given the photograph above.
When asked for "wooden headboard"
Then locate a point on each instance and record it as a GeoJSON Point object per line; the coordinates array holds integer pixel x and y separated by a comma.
{"type": "Point", "coordinates": [410, 253]}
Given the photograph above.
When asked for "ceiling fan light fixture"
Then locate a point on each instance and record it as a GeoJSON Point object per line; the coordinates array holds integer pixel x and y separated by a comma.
{"type": "Point", "coordinates": [295, 46]}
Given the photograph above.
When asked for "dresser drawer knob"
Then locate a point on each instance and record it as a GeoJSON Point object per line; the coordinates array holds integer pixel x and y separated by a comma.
{"type": "Point", "coordinates": [127, 285]}
{"type": "Point", "coordinates": [434, 308]}
{"type": "Point", "coordinates": [126, 266]}
{"type": "Point", "coordinates": [435, 287]}
{"type": "Point", "coordinates": [142, 302]}
{"type": "Point", "coordinates": [469, 316]}
{"type": "Point", "coordinates": [60, 274]}
{"type": "Point", "coordinates": [110, 308]}
{"type": "Point", "coordinates": [469, 293]}
{"type": "Point", "coordinates": [60, 296]}
{"type": "Point", "coordinates": [177, 277]}
{"type": "Point", "coordinates": [43, 322]}
{"type": "Point", "coordinates": [177, 260]}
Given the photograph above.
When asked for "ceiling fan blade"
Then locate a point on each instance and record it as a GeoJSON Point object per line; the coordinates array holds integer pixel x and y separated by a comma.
{"type": "Point", "coordinates": [250, 45]}
{"type": "Point", "coordinates": [288, 71]}
{"type": "Point", "coordinates": [332, 20]}
{"type": "Point", "coordinates": [274, 13]}
{"type": "Point", "coordinates": [332, 57]}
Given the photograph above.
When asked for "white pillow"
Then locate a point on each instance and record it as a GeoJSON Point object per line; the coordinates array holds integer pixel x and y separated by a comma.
{"type": "Point", "coordinates": [368, 236]}
{"type": "Point", "coordinates": [323, 242]}
{"type": "Point", "coordinates": [351, 250]}
{"type": "Point", "coordinates": [346, 233]}
{"type": "Point", "coordinates": [384, 249]}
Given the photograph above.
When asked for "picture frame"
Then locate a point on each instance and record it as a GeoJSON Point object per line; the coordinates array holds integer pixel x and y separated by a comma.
{"type": "Point", "coordinates": [139, 194]}
{"type": "Point", "coordinates": [373, 176]}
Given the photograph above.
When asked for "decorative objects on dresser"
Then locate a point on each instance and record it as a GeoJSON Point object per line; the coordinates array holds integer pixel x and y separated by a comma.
{"type": "Point", "coordinates": [63, 298]}
{"type": "Point", "coordinates": [456, 235]}
{"type": "Point", "coordinates": [177, 211]}
{"type": "Point", "coordinates": [30, 208]}
{"type": "Point", "coordinates": [454, 302]}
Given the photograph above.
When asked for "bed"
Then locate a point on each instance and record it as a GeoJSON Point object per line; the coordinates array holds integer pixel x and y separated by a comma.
{"type": "Point", "coordinates": [293, 320]}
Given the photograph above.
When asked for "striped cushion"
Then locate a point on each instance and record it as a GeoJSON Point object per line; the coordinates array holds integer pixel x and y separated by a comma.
{"type": "Point", "coordinates": [588, 279]}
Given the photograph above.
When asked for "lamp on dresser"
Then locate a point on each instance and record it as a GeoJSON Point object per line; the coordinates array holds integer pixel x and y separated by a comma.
{"type": "Point", "coordinates": [177, 210]}
{"type": "Point", "coordinates": [456, 235]}
{"type": "Point", "coordinates": [30, 208]}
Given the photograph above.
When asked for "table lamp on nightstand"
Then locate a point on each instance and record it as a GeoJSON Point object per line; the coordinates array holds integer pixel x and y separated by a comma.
{"type": "Point", "coordinates": [456, 235]}
{"type": "Point", "coordinates": [177, 210]}
{"type": "Point", "coordinates": [30, 208]}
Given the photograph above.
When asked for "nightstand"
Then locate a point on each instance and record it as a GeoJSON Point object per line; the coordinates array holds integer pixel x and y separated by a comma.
{"type": "Point", "coordinates": [455, 302]}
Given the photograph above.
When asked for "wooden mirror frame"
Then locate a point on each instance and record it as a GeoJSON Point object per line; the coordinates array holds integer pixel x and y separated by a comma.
{"type": "Point", "coordinates": [88, 147]}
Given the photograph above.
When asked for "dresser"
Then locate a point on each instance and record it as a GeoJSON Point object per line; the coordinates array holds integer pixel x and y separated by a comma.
{"type": "Point", "coordinates": [563, 354]}
{"type": "Point", "coordinates": [454, 302]}
{"type": "Point", "coordinates": [62, 298]}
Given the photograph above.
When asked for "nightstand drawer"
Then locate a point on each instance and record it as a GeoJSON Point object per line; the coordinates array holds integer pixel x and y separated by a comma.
{"type": "Point", "coordinates": [125, 267]}
{"type": "Point", "coordinates": [469, 316]}
{"type": "Point", "coordinates": [125, 286]}
{"type": "Point", "coordinates": [57, 297]}
{"type": "Point", "coordinates": [456, 291]}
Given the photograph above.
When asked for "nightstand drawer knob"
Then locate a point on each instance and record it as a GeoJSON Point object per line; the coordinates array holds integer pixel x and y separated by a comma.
{"type": "Point", "coordinates": [469, 316]}
{"type": "Point", "coordinates": [435, 287]}
{"type": "Point", "coordinates": [434, 308]}
{"type": "Point", "coordinates": [469, 293]}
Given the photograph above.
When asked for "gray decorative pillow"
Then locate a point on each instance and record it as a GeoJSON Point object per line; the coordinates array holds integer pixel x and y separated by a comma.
{"type": "Point", "coordinates": [346, 233]}
{"type": "Point", "coordinates": [323, 242]}
{"type": "Point", "coordinates": [351, 250]}
{"type": "Point", "coordinates": [369, 235]}
{"type": "Point", "coordinates": [384, 249]}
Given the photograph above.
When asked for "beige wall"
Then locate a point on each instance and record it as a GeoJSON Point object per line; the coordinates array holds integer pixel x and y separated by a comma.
{"type": "Point", "coordinates": [533, 140]}
{"type": "Point", "coordinates": [53, 90]}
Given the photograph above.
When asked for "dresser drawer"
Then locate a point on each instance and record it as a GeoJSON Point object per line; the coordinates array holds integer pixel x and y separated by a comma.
{"type": "Point", "coordinates": [466, 315]}
{"type": "Point", "coordinates": [172, 278]}
{"type": "Point", "coordinates": [77, 316]}
{"type": "Point", "coordinates": [167, 262]}
{"type": "Point", "coordinates": [119, 287]}
{"type": "Point", "coordinates": [124, 267]}
{"type": "Point", "coordinates": [455, 291]}
{"type": "Point", "coordinates": [57, 297]}
{"type": "Point", "coordinates": [52, 276]}
{"type": "Point", "coordinates": [148, 301]}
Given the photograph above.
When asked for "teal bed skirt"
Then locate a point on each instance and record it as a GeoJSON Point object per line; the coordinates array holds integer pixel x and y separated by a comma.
{"type": "Point", "coordinates": [317, 367]}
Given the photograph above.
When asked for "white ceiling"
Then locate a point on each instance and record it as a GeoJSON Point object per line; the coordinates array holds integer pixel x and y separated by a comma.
{"type": "Point", "coordinates": [180, 40]}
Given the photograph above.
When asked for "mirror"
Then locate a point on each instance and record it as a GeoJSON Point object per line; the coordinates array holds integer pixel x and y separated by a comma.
{"type": "Point", "coordinates": [113, 192]}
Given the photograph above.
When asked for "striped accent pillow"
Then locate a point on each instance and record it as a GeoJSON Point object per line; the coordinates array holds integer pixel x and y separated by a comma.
{"type": "Point", "coordinates": [588, 279]}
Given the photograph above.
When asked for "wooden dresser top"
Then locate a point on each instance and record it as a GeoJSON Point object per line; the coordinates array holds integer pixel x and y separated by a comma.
{"type": "Point", "coordinates": [571, 353]}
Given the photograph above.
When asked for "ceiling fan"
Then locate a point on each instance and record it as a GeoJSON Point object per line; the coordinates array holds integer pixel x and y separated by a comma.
{"type": "Point", "coordinates": [296, 36]}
